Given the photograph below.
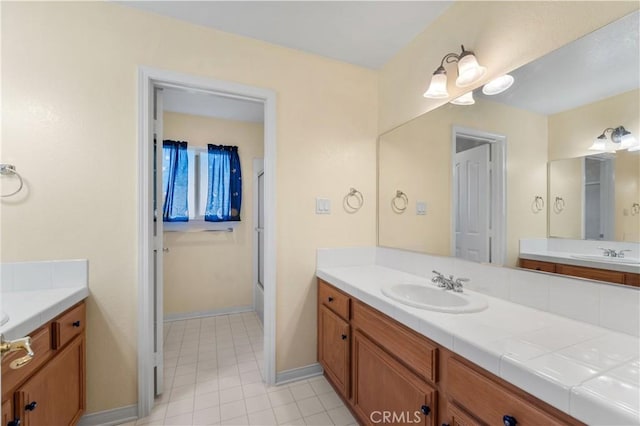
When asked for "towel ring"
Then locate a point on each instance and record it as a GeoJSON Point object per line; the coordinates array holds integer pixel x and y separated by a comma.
{"type": "Point", "coordinates": [354, 200]}
{"type": "Point", "coordinates": [538, 204]}
{"type": "Point", "coordinates": [10, 170]}
{"type": "Point", "coordinates": [400, 202]}
{"type": "Point", "coordinates": [558, 205]}
{"type": "Point", "coordinates": [635, 209]}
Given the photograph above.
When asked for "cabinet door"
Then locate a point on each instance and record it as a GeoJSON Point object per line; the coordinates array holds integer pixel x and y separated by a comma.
{"type": "Point", "coordinates": [385, 391]}
{"type": "Point", "coordinates": [55, 395]}
{"type": "Point", "coordinates": [333, 348]}
{"type": "Point", "coordinates": [7, 412]}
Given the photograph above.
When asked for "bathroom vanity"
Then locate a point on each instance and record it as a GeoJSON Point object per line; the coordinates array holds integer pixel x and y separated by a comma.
{"type": "Point", "coordinates": [46, 302]}
{"type": "Point", "coordinates": [507, 364]}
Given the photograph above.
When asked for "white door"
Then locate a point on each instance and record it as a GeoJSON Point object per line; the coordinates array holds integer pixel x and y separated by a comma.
{"type": "Point", "coordinates": [472, 201]}
{"type": "Point", "coordinates": [158, 312]}
{"type": "Point", "coordinates": [259, 284]}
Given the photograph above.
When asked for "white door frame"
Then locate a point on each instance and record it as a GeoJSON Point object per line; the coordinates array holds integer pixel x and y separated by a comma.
{"type": "Point", "coordinates": [498, 190]}
{"type": "Point", "coordinates": [148, 78]}
{"type": "Point", "coordinates": [258, 169]}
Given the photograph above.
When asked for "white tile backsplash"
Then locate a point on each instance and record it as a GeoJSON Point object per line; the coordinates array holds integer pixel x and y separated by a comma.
{"type": "Point", "coordinates": [574, 299]}
{"type": "Point", "coordinates": [620, 308]}
{"type": "Point", "coordinates": [26, 276]}
{"type": "Point", "coordinates": [347, 256]}
{"type": "Point", "coordinates": [529, 289]}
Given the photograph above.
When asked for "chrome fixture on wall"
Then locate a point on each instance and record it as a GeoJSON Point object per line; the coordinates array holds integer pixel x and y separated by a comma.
{"type": "Point", "coordinates": [619, 138]}
{"type": "Point", "coordinates": [400, 202]}
{"type": "Point", "coordinates": [10, 170]}
{"type": "Point", "coordinates": [469, 72]}
{"type": "Point", "coordinates": [353, 201]}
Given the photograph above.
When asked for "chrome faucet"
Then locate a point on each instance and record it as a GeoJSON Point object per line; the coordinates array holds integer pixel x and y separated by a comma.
{"type": "Point", "coordinates": [621, 253]}
{"type": "Point", "coordinates": [450, 283]}
{"type": "Point", "coordinates": [613, 253]}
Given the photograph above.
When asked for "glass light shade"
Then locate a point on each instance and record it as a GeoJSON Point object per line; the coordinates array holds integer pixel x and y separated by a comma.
{"type": "Point", "coordinates": [602, 143]}
{"type": "Point", "coordinates": [438, 87]}
{"type": "Point", "coordinates": [497, 85]}
{"type": "Point", "coordinates": [628, 141]}
{"type": "Point", "coordinates": [466, 99]}
{"type": "Point", "coordinates": [634, 148]}
{"type": "Point", "coordinates": [469, 71]}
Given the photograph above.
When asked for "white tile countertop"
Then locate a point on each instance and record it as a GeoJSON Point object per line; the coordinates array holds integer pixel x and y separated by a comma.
{"type": "Point", "coordinates": [585, 370]}
{"type": "Point", "coordinates": [36, 292]}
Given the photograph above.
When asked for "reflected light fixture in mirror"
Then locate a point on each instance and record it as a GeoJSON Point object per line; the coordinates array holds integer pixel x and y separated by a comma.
{"type": "Point", "coordinates": [619, 139]}
{"type": "Point", "coordinates": [466, 99]}
{"type": "Point", "coordinates": [498, 85]}
{"type": "Point", "coordinates": [469, 72]}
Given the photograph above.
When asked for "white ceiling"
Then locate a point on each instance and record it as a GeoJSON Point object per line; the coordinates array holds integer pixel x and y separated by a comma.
{"type": "Point", "coordinates": [365, 33]}
{"type": "Point", "coordinates": [599, 65]}
{"type": "Point", "coordinates": [199, 103]}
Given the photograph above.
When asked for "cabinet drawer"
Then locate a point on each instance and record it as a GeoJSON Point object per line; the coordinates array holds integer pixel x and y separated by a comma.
{"type": "Point", "coordinates": [591, 273]}
{"type": "Point", "coordinates": [411, 348]}
{"type": "Point", "coordinates": [68, 325]}
{"type": "Point", "coordinates": [41, 346]}
{"type": "Point", "coordinates": [458, 417]}
{"type": "Point", "coordinates": [538, 265]}
{"type": "Point", "coordinates": [490, 401]}
{"type": "Point", "coordinates": [333, 299]}
{"type": "Point", "coordinates": [632, 279]}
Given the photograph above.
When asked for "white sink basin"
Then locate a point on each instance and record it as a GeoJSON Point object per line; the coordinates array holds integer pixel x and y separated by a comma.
{"type": "Point", "coordinates": [435, 299]}
{"type": "Point", "coordinates": [601, 258]}
{"type": "Point", "coordinates": [4, 318]}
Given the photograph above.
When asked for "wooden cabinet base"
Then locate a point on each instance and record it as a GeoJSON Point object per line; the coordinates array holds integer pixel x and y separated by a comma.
{"type": "Point", "coordinates": [606, 275]}
{"type": "Point", "coordinates": [398, 376]}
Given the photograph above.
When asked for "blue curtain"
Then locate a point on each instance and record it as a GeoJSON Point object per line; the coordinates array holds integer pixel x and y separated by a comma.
{"type": "Point", "coordinates": [175, 181]}
{"type": "Point", "coordinates": [225, 184]}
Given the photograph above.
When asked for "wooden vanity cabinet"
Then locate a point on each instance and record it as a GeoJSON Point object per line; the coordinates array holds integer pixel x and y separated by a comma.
{"type": "Point", "coordinates": [396, 372]}
{"type": "Point", "coordinates": [607, 275]}
{"type": "Point", "coordinates": [51, 392]}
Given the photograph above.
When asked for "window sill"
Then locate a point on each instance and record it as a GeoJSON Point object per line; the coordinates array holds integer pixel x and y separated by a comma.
{"type": "Point", "coordinates": [196, 225]}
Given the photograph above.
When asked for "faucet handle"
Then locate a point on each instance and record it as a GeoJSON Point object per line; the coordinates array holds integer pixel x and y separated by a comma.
{"type": "Point", "coordinates": [605, 251]}
{"type": "Point", "coordinates": [462, 280]}
{"type": "Point", "coordinates": [621, 252]}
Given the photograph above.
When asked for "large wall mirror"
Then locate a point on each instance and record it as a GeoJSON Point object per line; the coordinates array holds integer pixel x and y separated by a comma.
{"type": "Point", "coordinates": [530, 139]}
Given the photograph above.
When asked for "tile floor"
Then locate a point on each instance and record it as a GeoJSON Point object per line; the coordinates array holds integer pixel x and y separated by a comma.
{"type": "Point", "coordinates": [212, 376]}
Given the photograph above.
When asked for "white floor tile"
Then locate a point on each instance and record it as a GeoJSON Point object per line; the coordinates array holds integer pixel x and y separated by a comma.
{"type": "Point", "coordinates": [287, 412]}
{"type": "Point", "coordinates": [206, 400]}
{"type": "Point", "coordinates": [257, 403]}
{"type": "Point", "coordinates": [341, 416]}
{"type": "Point", "coordinates": [320, 419]}
{"type": "Point", "coordinates": [181, 420]}
{"type": "Point", "coordinates": [232, 410]}
{"type": "Point", "coordinates": [182, 406]}
{"type": "Point", "coordinates": [301, 391]}
{"type": "Point", "coordinates": [280, 397]}
{"type": "Point", "coordinates": [254, 389]}
{"type": "Point", "coordinates": [207, 416]}
{"type": "Point", "coordinates": [263, 418]}
{"type": "Point", "coordinates": [330, 400]}
{"type": "Point", "coordinates": [231, 394]}
{"type": "Point", "coordinates": [310, 406]}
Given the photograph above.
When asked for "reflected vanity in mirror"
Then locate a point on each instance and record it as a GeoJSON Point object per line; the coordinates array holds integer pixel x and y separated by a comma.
{"type": "Point", "coordinates": [547, 121]}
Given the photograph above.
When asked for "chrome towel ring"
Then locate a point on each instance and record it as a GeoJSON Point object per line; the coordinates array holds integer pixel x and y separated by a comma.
{"type": "Point", "coordinates": [635, 209]}
{"type": "Point", "coordinates": [10, 170]}
{"type": "Point", "coordinates": [558, 205]}
{"type": "Point", "coordinates": [400, 202]}
{"type": "Point", "coordinates": [538, 204]}
{"type": "Point", "coordinates": [353, 201]}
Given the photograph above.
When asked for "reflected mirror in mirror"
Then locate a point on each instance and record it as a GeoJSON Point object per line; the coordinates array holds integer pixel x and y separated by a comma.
{"type": "Point", "coordinates": [593, 197]}
{"type": "Point", "coordinates": [555, 109]}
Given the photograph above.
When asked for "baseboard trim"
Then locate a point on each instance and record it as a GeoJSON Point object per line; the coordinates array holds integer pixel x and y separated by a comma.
{"type": "Point", "coordinates": [204, 314]}
{"type": "Point", "coordinates": [112, 417]}
{"type": "Point", "coordinates": [300, 373]}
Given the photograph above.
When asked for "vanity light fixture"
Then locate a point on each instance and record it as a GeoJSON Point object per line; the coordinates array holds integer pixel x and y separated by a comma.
{"type": "Point", "coordinates": [466, 99]}
{"type": "Point", "coordinates": [620, 138]}
{"type": "Point", "coordinates": [498, 85]}
{"type": "Point", "coordinates": [469, 72]}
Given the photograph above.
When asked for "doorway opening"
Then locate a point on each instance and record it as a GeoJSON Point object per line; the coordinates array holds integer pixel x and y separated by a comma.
{"type": "Point", "coordinates": [478, 196]}
{"type": "Point", "coordinates": [599, 194]}
{"type": "Point", "coordinates": [152, 238]}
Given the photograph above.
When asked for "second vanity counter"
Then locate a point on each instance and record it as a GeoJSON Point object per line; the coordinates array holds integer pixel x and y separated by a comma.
{"type": "Point", "coordinates": [589, 372]}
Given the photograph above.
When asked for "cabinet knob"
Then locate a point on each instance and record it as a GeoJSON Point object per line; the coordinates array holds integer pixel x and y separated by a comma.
{"type": "Point", "coordinates": [14, 422]}
{"type": "Point", "coordinates": [509, 420]}
{"type": "Point", "coordinates": [425, 410]}
{"type": "Point", "coordinates": [330, 299]}
{"type": "Point", "coordinates": [76, 323]}
{"type": "Point", "coordinates": [344, 337]}
{"type": "Point", "coordinates": [31, 406]}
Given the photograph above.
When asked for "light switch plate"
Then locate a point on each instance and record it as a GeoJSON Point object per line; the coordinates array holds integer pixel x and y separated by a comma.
{"type": "Point", "coordinates": [323, 206]}
{"type": "Point", "coordinates": [421, 208]}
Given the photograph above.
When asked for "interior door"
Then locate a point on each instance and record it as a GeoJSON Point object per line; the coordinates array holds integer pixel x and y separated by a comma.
{"type": "Point", "coordinates": [158, 250]}
{"type": "Point", "coordinates": [472, 203]}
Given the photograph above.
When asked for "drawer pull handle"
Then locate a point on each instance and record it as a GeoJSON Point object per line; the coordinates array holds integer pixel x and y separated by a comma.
{"type": "Point", "coordinates": [330, 299]}
{"type": "Point", "coordinates": [425, 410]}
{"type": "Point", "coordinates": [14, 422]}
{"type": "Point", "coordinates": [509, 421]}
{"type": "Point", "coordinates": [344, 337]}
{"type": "Point", "coordinates": [76, 324]}
{"type": "Point", "coordinates": [31, 406]}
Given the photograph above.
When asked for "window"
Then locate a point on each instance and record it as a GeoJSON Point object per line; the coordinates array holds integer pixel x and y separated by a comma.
{"type": "Point", "coordinates": [202, 187]}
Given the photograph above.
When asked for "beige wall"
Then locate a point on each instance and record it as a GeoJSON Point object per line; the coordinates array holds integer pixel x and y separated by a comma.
{"type": "Point", "coordinates": [416, 158]}
{"type": "Point", "coordinates": [503, 34]}
{"type": "Point", "coordinates": [205, 271]}
{"type": "Point", "coordinates": [565, 182]}
{"type": "Point", "coordinates": [572, 132]}
{"type": "Point", "coordinates": [69, 98]}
